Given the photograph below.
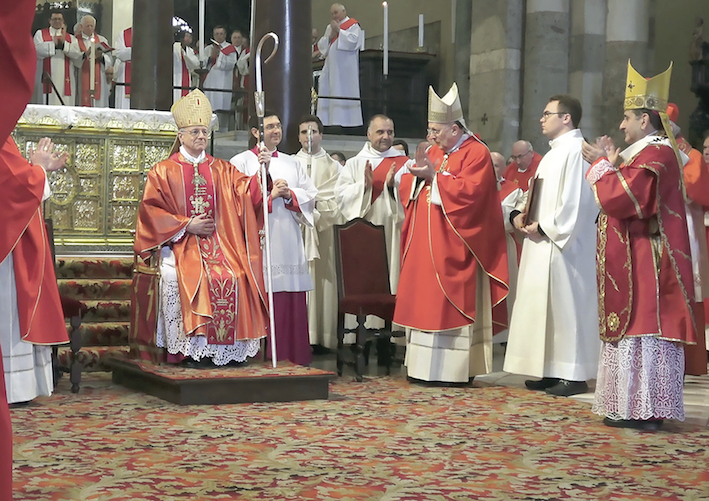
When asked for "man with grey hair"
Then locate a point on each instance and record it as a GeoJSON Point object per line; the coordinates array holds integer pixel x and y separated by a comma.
{"type": "Point", "coordinates": [340, 46]}
{"type": "Point", "coordinates": [524, 164]}
{"type": "Point", "coordinates": [90, 42]}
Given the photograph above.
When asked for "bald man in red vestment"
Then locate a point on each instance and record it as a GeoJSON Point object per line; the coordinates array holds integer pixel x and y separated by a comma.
{"type": "Point", "coordinates": [453, 252]}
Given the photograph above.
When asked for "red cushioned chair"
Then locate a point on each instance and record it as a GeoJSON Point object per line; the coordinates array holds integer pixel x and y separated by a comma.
{"type": "Point", "coordinates": [73, 311]}
{"type": "Point", "coordinates": [363, 289]}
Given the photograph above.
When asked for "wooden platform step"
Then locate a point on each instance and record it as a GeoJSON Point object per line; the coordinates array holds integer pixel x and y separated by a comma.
{"type": "Point", "coordinates": [254, 382]}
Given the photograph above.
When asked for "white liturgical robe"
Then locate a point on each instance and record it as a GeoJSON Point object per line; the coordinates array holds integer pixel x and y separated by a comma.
{"type": "Point", "coordinates": [320, 248]}
{"type": "Point", "coordinates": [289, 266]}
{"type": "Point", "coordinates": [61, 67]}
{"type": "Point", "coordinates": [184, 61]}
{"type": "Point", "coordinates": [220, 76]}
{"type": "Point", "coordinates": [101, 100]}
{"type": "Point", "coordinates": [340, 75]}
{"type": "Point", "coordinates": [27, 366]}
{"type": "Point", "coordinates": [123, 51]}
{"type": "Point", "coordinates": [554, 326]}
{"type": "Point", "coordinates": [354, 201]}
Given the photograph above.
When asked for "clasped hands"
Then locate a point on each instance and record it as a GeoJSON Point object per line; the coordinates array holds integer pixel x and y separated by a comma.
{"type": "Point", "coordinates": [529, 229]}
{"type": "Point", "coordinates": [602, 147]}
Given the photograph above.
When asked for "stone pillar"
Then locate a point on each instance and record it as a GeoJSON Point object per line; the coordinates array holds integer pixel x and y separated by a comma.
{"type": "Point", "coordinates": [287, 77]}
{"type": "Point", "coordinates": [627, 30]}
{"type": "Point", "coordinates": [461, 71]}
{"type": "Point", "coordinates": [546, 63]}
{"type": "Point", "coordinates": [495, 78]}
{"type": "Point", "coordinates": [151, 66]}
{"type": "Point", "coordinates": [586, 62]}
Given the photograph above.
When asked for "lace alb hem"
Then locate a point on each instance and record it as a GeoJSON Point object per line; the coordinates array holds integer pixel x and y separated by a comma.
{"type": "Point", "coordinates": [640, 378]}
{"type": "Point", "coordinates": [171, 333]}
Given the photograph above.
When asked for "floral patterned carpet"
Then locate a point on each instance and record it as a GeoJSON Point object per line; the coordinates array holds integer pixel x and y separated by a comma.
{"type": "Point", "coordinates": [382, 439]}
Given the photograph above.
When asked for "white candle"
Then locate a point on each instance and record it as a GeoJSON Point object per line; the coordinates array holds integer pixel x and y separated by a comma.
{"type": "Point", "coordinates": [92, 63]}
{"type": "Point", "coordinates": [386, 38]}
{"type": "Point", "coordinates": [201, 29]}
{"type": "Point", "coordinates": [420, 30]}
{"type": "Point", "coordinates": [454, 7]}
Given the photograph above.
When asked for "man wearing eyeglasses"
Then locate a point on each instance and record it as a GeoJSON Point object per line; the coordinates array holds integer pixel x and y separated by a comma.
{"type": "Point", "coordinates": [454, 255]}
{"type": "Point", "coordinates": [524, 164]}
{"type": "Point", "coordinates": [198, 215]}
{"type": "Point", "coordinates": [291, 206]}
{"type": "Point", "coordinates": [554, 326]}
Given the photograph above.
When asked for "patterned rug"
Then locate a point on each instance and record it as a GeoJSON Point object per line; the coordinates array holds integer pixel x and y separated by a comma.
{"type": "Point", "coordinates": [382, 439]}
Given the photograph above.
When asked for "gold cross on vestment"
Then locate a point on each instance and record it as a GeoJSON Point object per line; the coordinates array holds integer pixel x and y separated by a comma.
{"type": "Point", "coordinates": [199, 205]}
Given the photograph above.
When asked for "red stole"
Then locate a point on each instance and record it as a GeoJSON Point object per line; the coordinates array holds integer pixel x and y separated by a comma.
{"type": "Point", "coordinates": [47, 65]}
{"type": "Point", "coordinates": [344, 26]}
{"type": "Point", "coordinates": [201, 199]}
{"type": "Point", "coordinates": [86, 75]}
{"type": "Point", "coordinates": [185, 74]}
{"type": "Point", "coordinates": [128, 39]}
{"type": "Point", "coordinates": [380, 173]}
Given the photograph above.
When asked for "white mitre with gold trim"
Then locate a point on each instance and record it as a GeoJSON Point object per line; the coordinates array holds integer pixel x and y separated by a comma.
{"type": "Point", "coordinates": [193, 109]}
{"type": "Point", "coordinates": [446, 110]}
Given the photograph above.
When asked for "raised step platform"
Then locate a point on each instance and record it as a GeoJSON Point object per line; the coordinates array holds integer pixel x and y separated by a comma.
{"type": "Point", "coordinates": [255, 382]}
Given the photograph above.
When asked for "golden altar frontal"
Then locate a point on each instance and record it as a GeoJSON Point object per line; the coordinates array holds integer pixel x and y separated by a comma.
{"type": "Point", "coordinates": [95, 199]}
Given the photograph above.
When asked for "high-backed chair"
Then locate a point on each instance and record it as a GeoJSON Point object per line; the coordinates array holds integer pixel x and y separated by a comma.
{"type": "Point", "coordinates": [73, 311]}
{"type": "Point", "coordinates": [363, 289]}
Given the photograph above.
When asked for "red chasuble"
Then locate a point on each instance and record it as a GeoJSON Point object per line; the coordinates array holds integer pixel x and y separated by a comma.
{"type": "Point", "coordinates": [209, 270]}
{"type": "Point", "coordinates": [442, 245]}
{"type": "Point", "coordinates": [512, 174]}
{"type": "Point", "coordinates": [644, 265]}
{"type": "Point", "coordinates": [20, 62]}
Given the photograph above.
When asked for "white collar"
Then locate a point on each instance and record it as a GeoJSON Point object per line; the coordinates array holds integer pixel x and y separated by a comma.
{"type": "Point", "coordinates": [641, 143]}
{"type": "Point", "coordinates": [458, 144]}
{"type": "Point", "coordinates": [192, 159]}
{"type": "Point", "coordinates": [319, 154]}
{"type": "Point", "coordinates": [345, 19]}
{"type": "Point", "coordinates": [572, 134]}
{"type": "Point", "coordinates": [368, 151]}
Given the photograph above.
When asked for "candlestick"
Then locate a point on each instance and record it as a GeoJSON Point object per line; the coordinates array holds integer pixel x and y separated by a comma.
{"type": "Point", "coordinates": [201, 29]}
{"type": "Point", "coordinates": [386, 38]}
{"type": "Point", "coordinates": [92, 63]}
{"type": "Point", "coordinates": [420, 30]}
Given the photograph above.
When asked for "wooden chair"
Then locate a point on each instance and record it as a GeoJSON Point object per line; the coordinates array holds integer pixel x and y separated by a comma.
{"type": "Point", "coordinates": [73, 311]}
{"type": "Point", "coordinates": [363, 289]}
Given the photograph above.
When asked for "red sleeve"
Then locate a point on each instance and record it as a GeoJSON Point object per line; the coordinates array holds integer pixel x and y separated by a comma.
{"type": "Point", "coordinates": [293, 204]}
{"type": "Point", "coordinates": [629, 192]}
{"type": "Point", "coordinates": [696, 179]}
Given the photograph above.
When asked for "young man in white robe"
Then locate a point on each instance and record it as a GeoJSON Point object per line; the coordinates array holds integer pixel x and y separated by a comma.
{"type": "Point", "coordinates": [57, 53]}
{"type": "Point", "coordinates": [320, 239]}
{"type": "Point", "coordinates": [510, 197]}
{"type": "Point", "coordinates": [104, 66]}
{"type": "Point", "coordinates": [340, 46]}
{"type": "Point", "coordinates": [553, 332]}
{"type": "Point", "coordinates": [220, 59]}
{"type": "Point", "coordinates": [184, 61]}
{"type": "Point", "coordinates": [291, 205]}
{"type": "Point", "coordinates": [122, 70]}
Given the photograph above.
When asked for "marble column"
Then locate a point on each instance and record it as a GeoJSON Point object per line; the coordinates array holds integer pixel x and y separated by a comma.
{"type": "Point", "coordinates": [495, 77]}
{"type": "Point", "coordinates": [151, 73]}
{"type": "Point", "coordinates": [627, 37]}
{"type": "Point", "coordinates": [546, 63]}
{"type": "Point", "coordinates": [286, 78]}
{"type": "Point", "coordinates": [586, 62]}
{"type": "Point", "coordinates": [461, 54]}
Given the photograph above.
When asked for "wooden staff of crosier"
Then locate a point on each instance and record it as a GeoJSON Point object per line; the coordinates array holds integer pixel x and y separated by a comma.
{"type": "Point", "coordinates": [259, 101]}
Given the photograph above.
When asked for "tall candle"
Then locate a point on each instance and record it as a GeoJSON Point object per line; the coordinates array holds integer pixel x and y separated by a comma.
{"type": "Point", "coordinates": [420, 30]}
{"type": "Point", "coordinates": [454, 7]}
{"type": "Point", "coordinates": [386, 38]}
{"type": "Point", "coordinates": [201, 29]}
{"type": "Point", "coordinates": [92, 63]}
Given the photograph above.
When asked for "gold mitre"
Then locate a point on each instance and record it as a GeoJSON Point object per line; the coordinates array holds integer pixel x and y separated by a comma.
{"type": "Point", "coordinates": [651, 93]}
{"type": "Point", "coordinates": [445, 110]}
{"type": "Point", "coordinates": [193, 109]}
